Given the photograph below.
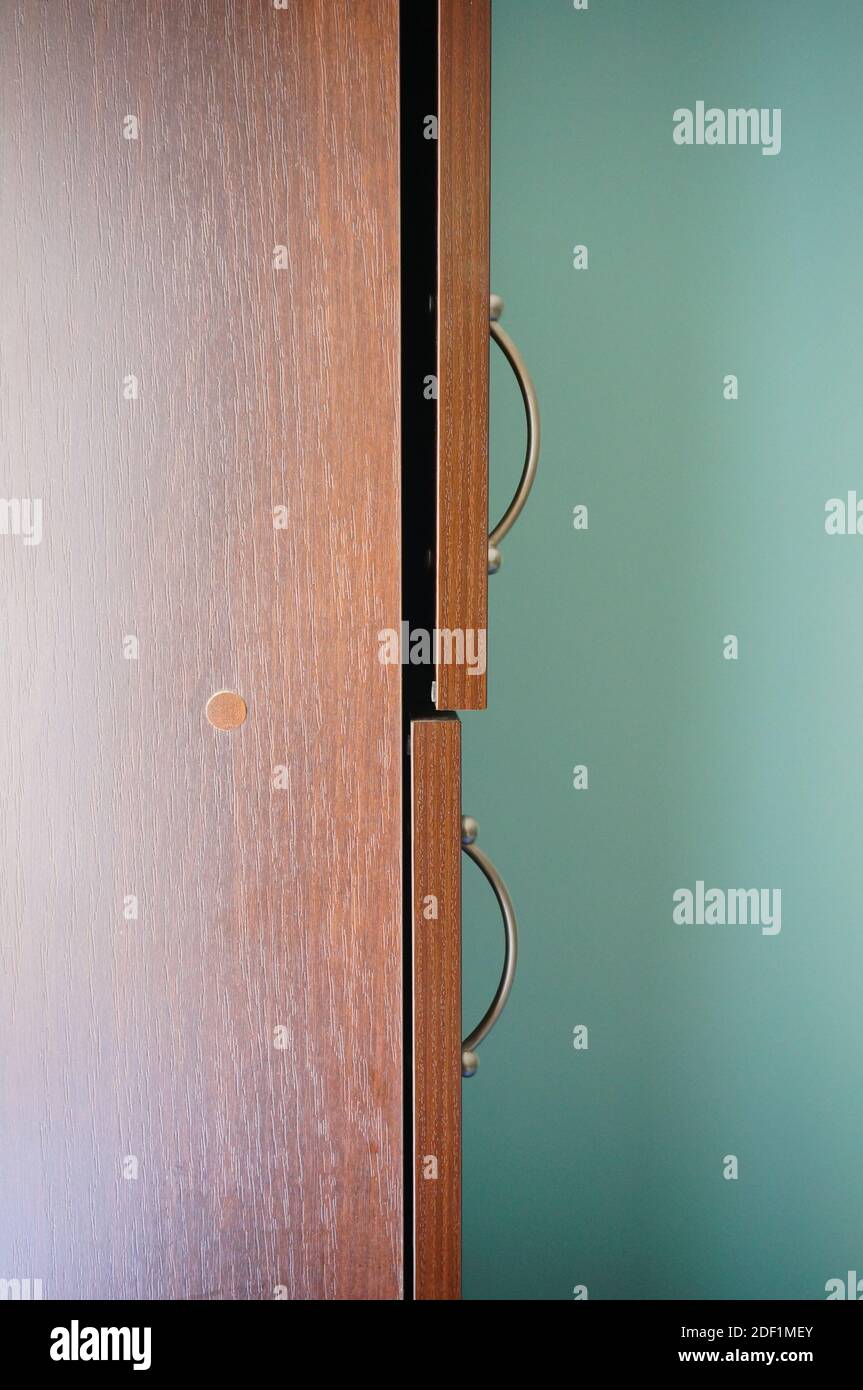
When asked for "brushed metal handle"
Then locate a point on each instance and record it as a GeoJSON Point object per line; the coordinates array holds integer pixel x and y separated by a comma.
{"type": "Point", "coordinates": [469, 1059]}
{"type": "Point", "coordinates": [531, 410]}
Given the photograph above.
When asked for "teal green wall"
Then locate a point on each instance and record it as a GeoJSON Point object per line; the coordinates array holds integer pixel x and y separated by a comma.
{"type": "Point", "coordinates": [605, 1167]}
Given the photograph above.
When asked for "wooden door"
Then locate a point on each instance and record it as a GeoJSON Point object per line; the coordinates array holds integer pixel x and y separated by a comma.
{"type": "Point", "coordinates": [436, 940]}
{"type": "Point", "coordinates": [464, 195]}
{"type": "Point", "coordinates": [200, 922]}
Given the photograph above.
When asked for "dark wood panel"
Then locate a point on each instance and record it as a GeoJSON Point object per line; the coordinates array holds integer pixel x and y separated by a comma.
{"type": "Point", "coordinates": [463, 335]}
{"type": "Point", "coordinates": [436, 822]}
{"type": "Point", "coordinates": [161, 1138]}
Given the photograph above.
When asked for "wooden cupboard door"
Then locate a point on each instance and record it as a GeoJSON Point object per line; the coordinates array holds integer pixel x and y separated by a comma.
{"type": "Point", "coordinates": [436, 897]}
{"type": "Point", "coordinates": [200, 927]}
{"type": "Point", "coordinates": [464, 94]}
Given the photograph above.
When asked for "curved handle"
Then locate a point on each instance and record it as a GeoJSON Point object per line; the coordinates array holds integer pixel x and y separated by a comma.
{"type": "Point", "coordinates": [531, 410]}
{"type": "Point", "coordinates": [469, 1059]}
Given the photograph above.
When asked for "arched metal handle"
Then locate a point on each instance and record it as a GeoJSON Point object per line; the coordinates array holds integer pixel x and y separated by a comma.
{"type": "Point", "coordinates": [531, 410]}
{"type": "Point", "coordinates": [469, 1059]}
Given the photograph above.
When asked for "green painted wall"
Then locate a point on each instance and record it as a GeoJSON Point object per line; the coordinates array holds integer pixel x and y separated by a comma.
{"type": "Point", "coordinates": [604, 1167]}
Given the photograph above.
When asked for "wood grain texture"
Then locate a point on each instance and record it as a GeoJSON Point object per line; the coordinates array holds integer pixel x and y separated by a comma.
{"type": "Point", "coordinates": [464, 75]}
{"type": "Point", "coordinates": [436, 825]}
{"type": "Point", "coordinates": [237, 1031]}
